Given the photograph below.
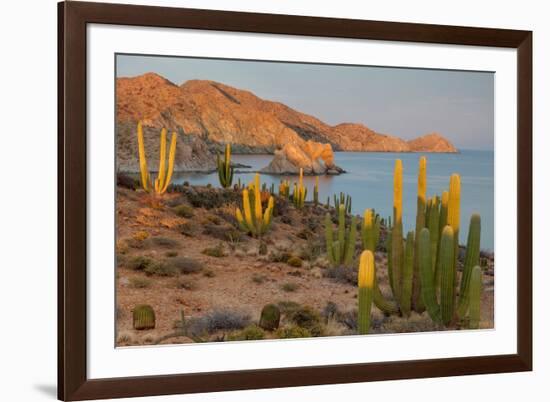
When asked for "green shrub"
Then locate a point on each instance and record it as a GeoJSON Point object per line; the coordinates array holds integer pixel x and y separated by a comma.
{"type": "Point", "coordinates": [140, 283]}
{"type": "Point", "coordinates": [295, 262]}
{"type": "Point", "coordinates": [258, 278]}
{"type": "Point", "coordinates": [171, 254]}
{"type": "Point", "coordinates": [160, 268]}
{"type": "Point", "coordinates": [263, 248]}
{"type": "Point", "coordinates": [216, 251]}
{"type": "Point", "coordinates": [288, 307]}
{"type": "Point", "coordinates": [250, 333]}
{"type": "Point", "coordinates": [139, 263]}
{"type": "Point", "coordinates": [290, 287]}
{"type": "Point", "coordinates": [306, 317]}
{"type": "Point", "coordinates": [164, 242]}
{"type": "Point", "coordinates": [292, 331]}
{"type": "Point", "coordinates": [189, 229]}
{"type": "Point", "coordinates": [185, 211]}
{"type": "Point", "coordinates": [185, 265]}
{"type": "Point", "coordinates": [187, 284]}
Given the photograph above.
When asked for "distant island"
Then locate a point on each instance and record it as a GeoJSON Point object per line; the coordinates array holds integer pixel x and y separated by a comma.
{"type": "Point", "coordinates": [209, 114]}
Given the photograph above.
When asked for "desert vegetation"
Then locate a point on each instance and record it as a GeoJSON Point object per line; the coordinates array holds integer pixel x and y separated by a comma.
{"type": "Point", "coordinates": [244, 261]}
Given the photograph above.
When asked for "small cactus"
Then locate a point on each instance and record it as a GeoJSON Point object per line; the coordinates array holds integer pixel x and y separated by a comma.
{"type": "Point", "coordinates": [225, 170]}
{"type": "Point", "coordinates": [365, 282]}
{"type": "Point", "coordinates": [143, 317]}
{"type": "Point", "coordinates": [316, 191]}
{"type": "Point", "coordinates": [397, 229]}
{"type": "Point", "coordinates": [270, 317]}
{"type": "Point", "coordinates": [420, 224]}
{"type": "Point", "coordinates": [284, 188]}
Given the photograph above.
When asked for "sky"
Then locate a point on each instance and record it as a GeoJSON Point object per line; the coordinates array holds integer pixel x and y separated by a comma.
{"type": "Point", "coordinates": [397, 101]}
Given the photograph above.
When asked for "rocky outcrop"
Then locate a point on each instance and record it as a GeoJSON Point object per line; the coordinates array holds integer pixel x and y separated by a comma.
{"type": "Point", "coordinates": [356, 137]}
{"type": "Point", "coordinates": [192, 154]}
{"type": "Point", "coordinates": [433, 142]}
{"type": "Point", "coordinates": [312, 157]}
{"type": "Point", "coordinates": [208, 114]}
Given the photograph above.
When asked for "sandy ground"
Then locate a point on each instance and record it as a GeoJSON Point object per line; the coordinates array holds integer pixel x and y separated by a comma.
{"type": "Point", "coordinates": [242, 280]}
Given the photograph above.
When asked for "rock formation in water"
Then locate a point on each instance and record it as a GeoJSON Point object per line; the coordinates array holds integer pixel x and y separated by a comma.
{"type": "Point", "coordinates": [312, 157]}
{"type": "Point", "coordinates": [208, 114]}
{"type": "Point", "coordinates": [433, 142]}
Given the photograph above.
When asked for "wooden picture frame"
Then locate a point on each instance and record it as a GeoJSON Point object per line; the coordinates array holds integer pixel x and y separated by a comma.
{"type": "Point", "coordinates": [73, 17]}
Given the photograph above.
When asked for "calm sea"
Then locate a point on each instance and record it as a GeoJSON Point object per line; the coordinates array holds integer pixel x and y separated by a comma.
{"type": "Point", "coordinates": [369, 180]}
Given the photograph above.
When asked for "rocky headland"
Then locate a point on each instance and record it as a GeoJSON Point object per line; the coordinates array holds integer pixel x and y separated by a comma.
{"type": "Point", "coordinates": [206, 115]}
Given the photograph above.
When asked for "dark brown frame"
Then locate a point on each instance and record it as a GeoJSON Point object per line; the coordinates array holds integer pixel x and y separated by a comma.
{"type": "Point", "coordinates": [73, 383]}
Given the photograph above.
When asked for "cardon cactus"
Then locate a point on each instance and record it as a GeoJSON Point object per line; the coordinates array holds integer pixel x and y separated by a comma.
{"type": "Point", "coordinates": [343, 199]}
{"type": "Point", "coordinates": [342, 249]}
{"type": "Point", "coordinates": [143, 317]}
{"type": "Point", "coordinates": [300, 191]}
{"type": "Point", "coordinates": [161, 183]}
{"type": "Point", "coordinates": [284, 188]}
{"type": "Point", "coordinates": [225, 170]}
{"type": "Point", "coordinates": [365, 282]}
{"type": "Point", "coordinates": [474, 290]}
{"type": "Point", "coordinates": [420, 224]}
{"type": "Point", "coordinates": [255, 221]}
{"type": "Point", "coordinates": [270, 317]}
{"type": "Point", "coordinates": [471, 260]}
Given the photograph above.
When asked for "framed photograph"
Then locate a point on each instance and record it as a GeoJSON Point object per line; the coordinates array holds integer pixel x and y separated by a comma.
{"type": "Point", "coordinates": [253, 200]}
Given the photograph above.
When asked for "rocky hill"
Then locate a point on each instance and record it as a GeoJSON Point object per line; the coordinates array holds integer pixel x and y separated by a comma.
{"type": "Point", "coordinates": [207, 114]}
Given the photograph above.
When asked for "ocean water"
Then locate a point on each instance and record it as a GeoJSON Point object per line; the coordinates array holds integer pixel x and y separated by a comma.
{"type": "Point", "coordinates": [369, 180]}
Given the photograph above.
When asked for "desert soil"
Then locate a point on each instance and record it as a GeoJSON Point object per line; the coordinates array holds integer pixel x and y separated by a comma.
{"type": "Point", "coordinates": [241, 280]}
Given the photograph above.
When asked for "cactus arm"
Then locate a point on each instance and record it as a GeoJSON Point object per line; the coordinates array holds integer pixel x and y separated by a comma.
{"type": "Point", "coordinates": [471, 260]}
{"type": "Point", "coordinates": [474, 289]}
{"type": "Point", "coordinates": [443, 212]}
{"type": "Point", "coordinates": [257, 201]}
{"type": "Point", "coordinates": [426, 276]}
{"type": "Point", "coordinates": [341, 230]}
{"type": "Point", "coordinates": [420, 224]}
{"type": "Point", "coordinates": [329, 239]}
{"type": "Point", "coordinates": [365, 282]}
{"type": "Point", "coordinates": [162, 161]}
{"type": "Point", "coordinates": [171, 160]}
{"type": "Point", "coordinates": [241, 221]}
{"type": "Point", "coordinates": [142, 159]}
{"type": "Point", "coordinates": [389, 259]}
{"type": "Point", "coordinates": [228, 164]}
{"type": "Point", "coordinates": [248, 212]}
{"type": "Point", "coordinates": [446, 262]}
{"type": "Point", "coordinates": [397, 231]}
{"type": "Point", "coordinates": [408, 266]}
{"type": "Point", "coordinates": [350, 246]}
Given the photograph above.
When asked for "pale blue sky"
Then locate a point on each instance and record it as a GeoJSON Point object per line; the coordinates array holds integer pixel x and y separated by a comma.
{"type": "Point", "coordinates": [403, 102]}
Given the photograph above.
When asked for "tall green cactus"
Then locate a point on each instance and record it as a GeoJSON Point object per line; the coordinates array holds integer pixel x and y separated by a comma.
{"type": "Point", "coordinates": [474, 290]}
{"type": "Point", "coordinates": [407, 279]}
{"type": "Point", "coordinates": [446, 266]}
{"type": "Point", "coordinates": [316, 191]}
{"type": "Point", "coordinates": [471, 260]}
{"type": "Point", "coordinates": [343, 199]}
{"type": "Point", "coordinates": [426, 275]}
{"type": "Point", "coordinates": [341, 250]}
{"type": "Point", "coordinates": [365, 282]}
{"type": "Point", "coordinates": [225, 170]}
{"type": "Point", "coordinates": [397, 229]}
{"type": "Point", "coordinates": [420, 224]}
